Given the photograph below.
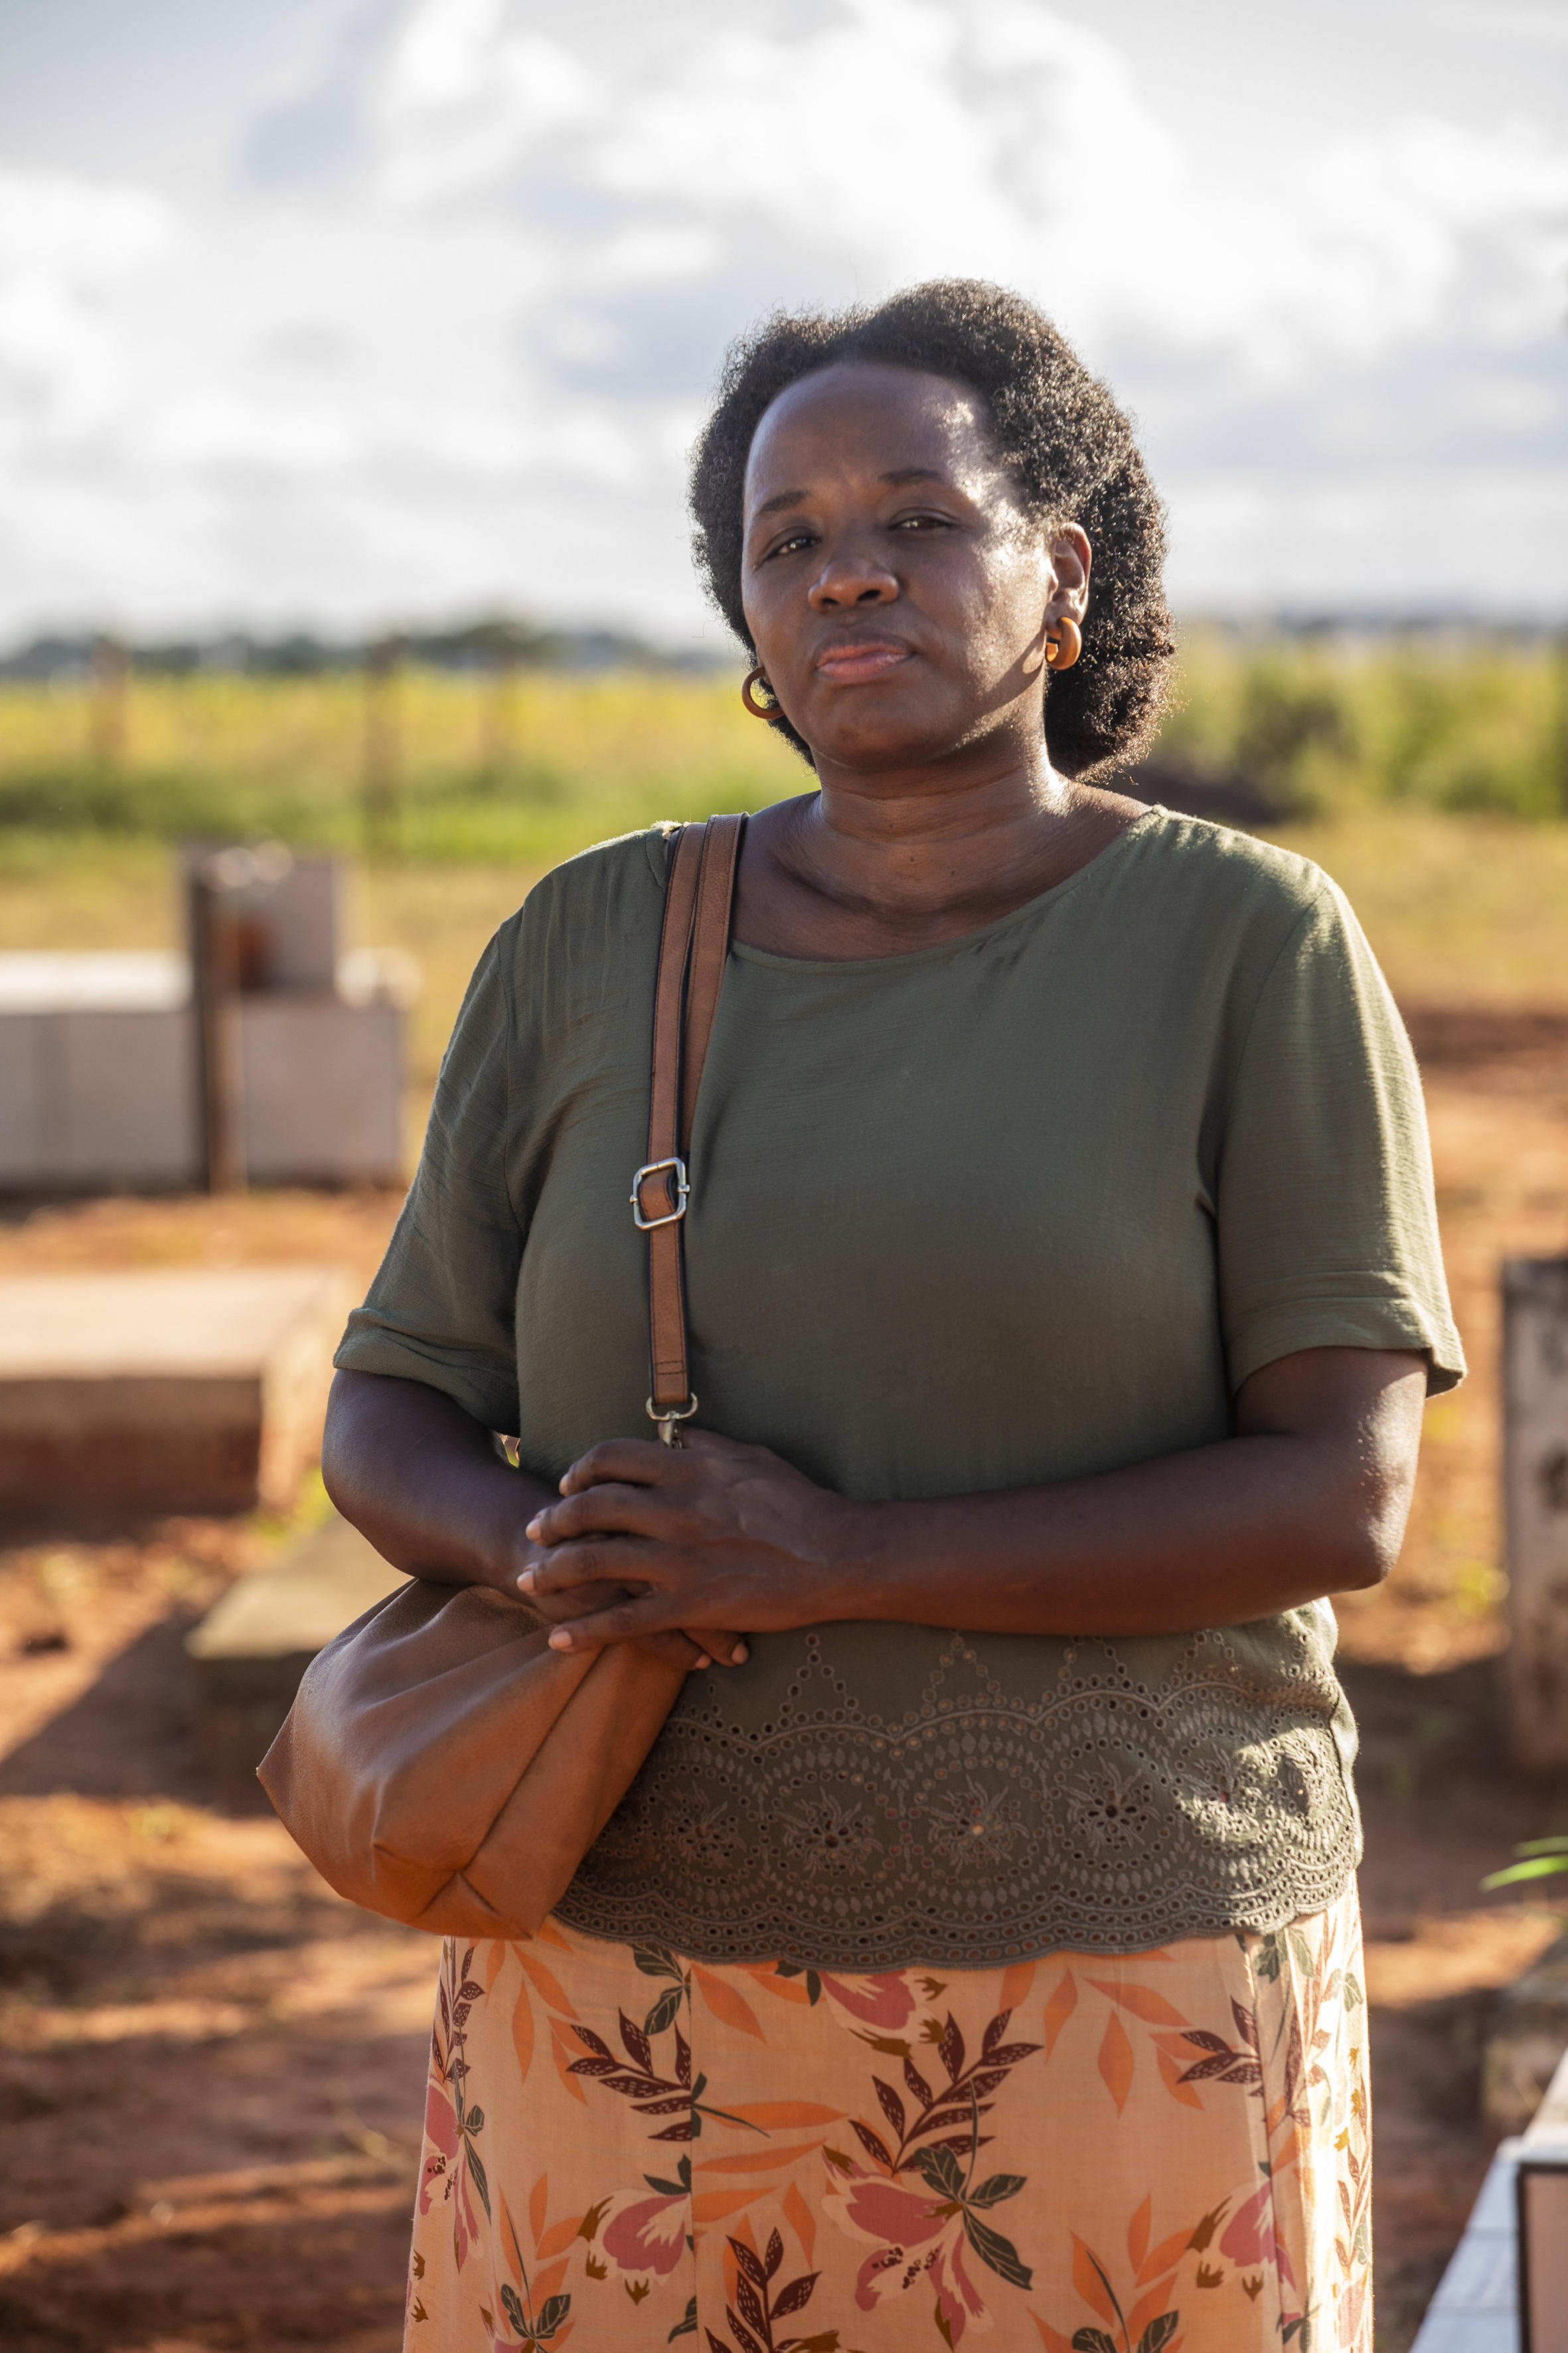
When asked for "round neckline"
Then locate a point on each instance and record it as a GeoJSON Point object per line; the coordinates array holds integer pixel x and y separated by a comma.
{"type": "Point", "coordinates": [903, 959]}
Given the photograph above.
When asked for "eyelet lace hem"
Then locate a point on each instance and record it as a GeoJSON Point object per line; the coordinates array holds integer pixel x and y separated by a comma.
{"type": "Point", "coordinates": [1109, 1814]}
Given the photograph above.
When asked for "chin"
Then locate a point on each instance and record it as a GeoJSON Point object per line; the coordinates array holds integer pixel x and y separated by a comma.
{"type": "Point", "coordinates": [880, 739]}
{"type": "Point", "coordinates": [871, 751]}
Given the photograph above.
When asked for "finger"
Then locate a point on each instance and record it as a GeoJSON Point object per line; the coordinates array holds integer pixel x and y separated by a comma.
{"type": "Point", "coordinates": [610, 1508]}
{"type": "Point", "coordinates": [639, 1462]}
{"type": "Point", "coordinates": [589, 1560]}
{"type": "Point", "coordinates": [727, 1649]}
{"type": "Point", "coordinates": [627, 1621]}
{"type": "Point", "coordinates": [554, 1606]}
{"type": "Point", "coordinates": [679, 1650]}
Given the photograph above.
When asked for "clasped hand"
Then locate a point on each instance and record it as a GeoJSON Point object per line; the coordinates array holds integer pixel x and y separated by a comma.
{"type": "Point", "coordinates": [659, 1541]}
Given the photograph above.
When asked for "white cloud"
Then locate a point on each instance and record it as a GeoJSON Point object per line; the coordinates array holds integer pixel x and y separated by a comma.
{"type": "Point", "coordinates": [468, 90]}
{"type": "Point", "coordinates": [908, 138]}
{"type": "Point", "coordinates": [467, 366]}
{"type": "Point", "coordinates": [68, 251]}
{"type": "Point", "coordinates": [1411, 539]}
{"type": "Point", "coordinates": [90, 233]}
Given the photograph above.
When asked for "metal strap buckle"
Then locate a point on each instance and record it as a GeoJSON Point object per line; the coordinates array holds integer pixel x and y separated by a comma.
{"type": "Point", "coordinates": [682, 1192]}
{"type": "Point", "coordinates": [670, 1417]}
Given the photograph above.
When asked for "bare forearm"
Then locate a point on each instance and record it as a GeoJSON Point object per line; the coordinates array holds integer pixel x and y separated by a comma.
{"type": "Point", "coordinates": [422, 1480]}
{"type": "Point", "coordinates": [1310, 1497]}
{"type": "Point", "coordinates": [1214, 1538]}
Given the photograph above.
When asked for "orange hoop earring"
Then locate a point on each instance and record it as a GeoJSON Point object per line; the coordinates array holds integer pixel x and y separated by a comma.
{"type": "Point", "coordinates": [768, 711]}
{"type": "Point", "coordinates": [1063, 644]}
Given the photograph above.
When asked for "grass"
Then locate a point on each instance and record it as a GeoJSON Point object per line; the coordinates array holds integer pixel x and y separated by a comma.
{"type": "Point", "coordinates": [431, 765]}
{"type": "Point", "coordinates": [481, 781]}
{"type": "Point", "coordinates": [522, 765]}
{"type": "Point", "coordinates": [1453, 721]}
{"type": "Point", "coordinates": [1461, 910]}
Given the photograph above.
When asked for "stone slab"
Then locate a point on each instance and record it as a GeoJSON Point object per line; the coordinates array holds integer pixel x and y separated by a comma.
{"type": "Point", "coordinates": [1476, 2308]}
{"type": "Point", "coordinates": [98, 1069]}
{"type": "Point", "coordinates": [123, 980]}
{"type": "Point", "coordinates": [323, 1090]}
{"type": "Point", "coordinates": [126, 1397]}
{"type": "Point", "coordinates": [252, 1647]}
{"type": "Point", "coordinates": [96, 1096]}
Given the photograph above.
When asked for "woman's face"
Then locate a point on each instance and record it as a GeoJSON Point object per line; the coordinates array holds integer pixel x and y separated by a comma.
{"type": "Point", "coordinates": [896, 592]}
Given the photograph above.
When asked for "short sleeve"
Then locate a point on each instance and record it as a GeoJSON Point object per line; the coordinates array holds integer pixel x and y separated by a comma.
{"type": "Point", "coordinates": [442, 1306]}
{"type": "Point", "coordinates": [1326, 1216]}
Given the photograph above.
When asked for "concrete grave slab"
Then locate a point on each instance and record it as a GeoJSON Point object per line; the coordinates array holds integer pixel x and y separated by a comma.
{"type": "Point", "coordinates": [98, 1064]}
{"type": "Point", "coordinates": [1476, 2308]}
{"type": "Point", "coordinates": [252, 1647]}
{"type": "Point", "coordinates": [125, 1398]}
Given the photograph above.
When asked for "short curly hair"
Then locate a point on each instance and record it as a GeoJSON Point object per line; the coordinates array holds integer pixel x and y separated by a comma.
{"type": "Point", "coordinates": [1068, 446]}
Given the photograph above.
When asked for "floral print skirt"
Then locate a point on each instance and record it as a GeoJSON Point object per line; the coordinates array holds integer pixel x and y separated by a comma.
{"type": "Point", "coordinates": [1123, 2153]}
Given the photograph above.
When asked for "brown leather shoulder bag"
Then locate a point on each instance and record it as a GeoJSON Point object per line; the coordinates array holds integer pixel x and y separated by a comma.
{"type": "Point", "coordinates": [441, 1764]}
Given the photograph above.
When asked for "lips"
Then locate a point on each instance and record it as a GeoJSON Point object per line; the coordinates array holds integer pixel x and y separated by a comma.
{"type": "Point", "coordinates": [858, 661]}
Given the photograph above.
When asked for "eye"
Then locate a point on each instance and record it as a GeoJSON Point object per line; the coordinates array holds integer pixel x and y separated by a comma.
{"type": "Point", "coordinates": [797, 539]}
{"type": "Point", "coordinates": [924, 522]}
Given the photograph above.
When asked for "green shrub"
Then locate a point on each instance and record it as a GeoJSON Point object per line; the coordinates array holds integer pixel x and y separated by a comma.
{"type": "Point", "coordinates": [1448, 720]}
{"type": "Point", "coordinates": [531, 768]}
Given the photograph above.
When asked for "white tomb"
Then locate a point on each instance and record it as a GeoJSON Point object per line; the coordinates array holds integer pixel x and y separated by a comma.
{"type": "Point", "coordinates": [99, 1067]}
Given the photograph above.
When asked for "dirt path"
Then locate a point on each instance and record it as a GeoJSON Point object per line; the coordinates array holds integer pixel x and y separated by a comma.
{"type": "Point", "coordinates": [211, 2070]}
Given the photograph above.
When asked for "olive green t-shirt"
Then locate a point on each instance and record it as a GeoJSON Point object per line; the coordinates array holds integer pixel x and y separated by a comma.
{"type": "Point", "coordinates": [1027, 1205]}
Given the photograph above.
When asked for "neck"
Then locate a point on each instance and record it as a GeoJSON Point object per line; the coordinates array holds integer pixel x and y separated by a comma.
{"type": "Point", "coordinates": [880, 863]}
{"type": "Point", "coordinates": [918, 825]}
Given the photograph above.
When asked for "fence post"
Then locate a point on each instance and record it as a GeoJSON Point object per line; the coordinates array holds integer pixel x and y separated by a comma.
{"type": "Point", "coordinates": [381, 746]}
{"type": "Point", "coordinates": [211, 879]}
{"type": "Point", "coordinates": [109, 719]}
{"type": "Point", "coordinates": [1535, 1495]}
{"type": "Point", "coordinates": [498, 728]}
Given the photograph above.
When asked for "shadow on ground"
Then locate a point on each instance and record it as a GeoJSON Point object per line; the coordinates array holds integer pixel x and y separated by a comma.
{"type": "Point", "coordinates": [211, 2069]}
{"type": "Point", "coordinates": [133, 1733]}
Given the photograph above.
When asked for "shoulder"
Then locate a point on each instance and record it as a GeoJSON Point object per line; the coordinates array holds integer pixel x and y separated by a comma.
{"type": "Point", "coordinates": [624, 877]}
{"type": "Point", "coordinates": [1198, 915]}
{"type": "Point", "coordinates": [1228, 869]}
{"type": "Point", "coordinates": [587, 933]}
{"type": "Point", "coordinates": [582, 942]}
{"type": "Point", "coordinates": [1206, 890]}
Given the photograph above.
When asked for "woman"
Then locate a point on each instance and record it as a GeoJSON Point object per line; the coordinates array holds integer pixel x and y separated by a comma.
{"type": "Point", "coordinates": [1062, 1269]}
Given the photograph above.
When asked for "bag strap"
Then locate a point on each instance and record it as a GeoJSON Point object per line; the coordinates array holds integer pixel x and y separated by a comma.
{"type": "Point", "coordinates": [693, 945]}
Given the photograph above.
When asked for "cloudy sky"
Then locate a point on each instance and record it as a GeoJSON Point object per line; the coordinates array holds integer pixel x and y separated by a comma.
{"type": "Point", "coordinates": [350, 311]}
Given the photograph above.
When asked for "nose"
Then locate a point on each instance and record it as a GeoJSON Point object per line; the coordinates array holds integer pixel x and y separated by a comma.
{"type": "Point", "coordinates": [851, 576]}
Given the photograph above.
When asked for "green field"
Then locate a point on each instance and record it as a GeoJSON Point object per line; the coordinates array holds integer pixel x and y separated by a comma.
{"type": "Point", "coordinates": [1426, 776]}
{"type": "Point", "coordinates": [452, 765]}
{"type": "Point", "coordinates": [1458, 721]}
{"type": "Point", "coordinates": [524, 765]}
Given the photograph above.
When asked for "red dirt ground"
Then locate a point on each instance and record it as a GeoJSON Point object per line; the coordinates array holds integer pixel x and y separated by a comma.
{"type": "Point", "coordinates": [211, 2069]}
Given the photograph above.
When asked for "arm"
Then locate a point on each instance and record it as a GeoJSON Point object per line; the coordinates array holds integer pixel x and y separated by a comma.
{"type": "Point", "coordinates": [423, 1480]}
{"type": "Point", "coordinates": [1309, 1497]}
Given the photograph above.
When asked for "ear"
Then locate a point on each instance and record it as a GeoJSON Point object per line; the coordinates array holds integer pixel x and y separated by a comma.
{"type": "Point", "coordinates": [1071, 559]}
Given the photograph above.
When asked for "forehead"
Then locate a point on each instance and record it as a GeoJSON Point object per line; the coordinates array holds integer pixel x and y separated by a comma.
{"type": "Point", "coordinates": [865, 417]}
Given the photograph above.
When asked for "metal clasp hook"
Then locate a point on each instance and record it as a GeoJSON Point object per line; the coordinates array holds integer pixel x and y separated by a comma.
{"type": "Point", "coordinates": [669, 1434]}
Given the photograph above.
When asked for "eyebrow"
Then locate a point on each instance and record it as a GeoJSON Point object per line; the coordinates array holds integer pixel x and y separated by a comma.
{"type": "Point", "coordinates": [895, 478]}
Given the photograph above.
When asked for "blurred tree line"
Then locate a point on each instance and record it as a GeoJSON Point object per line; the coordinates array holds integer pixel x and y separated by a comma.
{"type": "Point", "coordinates": [501, 742]}
{"type": "Point", "coordinates": [1327, 724]}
